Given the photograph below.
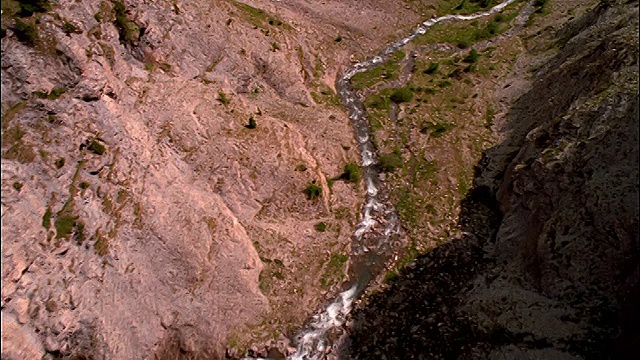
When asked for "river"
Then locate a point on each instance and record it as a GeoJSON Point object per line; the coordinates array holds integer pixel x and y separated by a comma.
{"type": "Point", "coordinates": [377, 233]}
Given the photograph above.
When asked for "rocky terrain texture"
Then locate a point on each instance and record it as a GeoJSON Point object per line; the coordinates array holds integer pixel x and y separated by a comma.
{"type": "Point", "coordinates": [547, 263]}
{"type": "Point", "coordinates": [154, 158]}
{"type": "Point", "coordinates": [173, 187]}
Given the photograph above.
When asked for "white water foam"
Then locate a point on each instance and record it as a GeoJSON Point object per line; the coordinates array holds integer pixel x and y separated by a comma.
{"type": "Point", "coordinates": [312, 343]}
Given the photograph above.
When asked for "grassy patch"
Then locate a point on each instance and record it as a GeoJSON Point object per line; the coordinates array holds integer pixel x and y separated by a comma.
{"type": "Point", "coordinates": [14, 146]}
{"type": "Point", "coordinates": [388, 71]}
{"type": "Point", "coordinates": [258, 17]}
{"type": "Point", "coordinates": [101, 245]}
{"type": "Point", "coordinates": [465, 33]}
{"type": "Point", "coordinates": [64, 224]}
{"type": "Point", "coordinates": [401, 95]}
{"type": "Point", "coordinates": [436, 129]}
{"type": "Point", "coordinates": [46, 219]}
{"type": "Point", "coordinates": [26, 32]}
{"type": "Point", "coordinates": [96, 147]}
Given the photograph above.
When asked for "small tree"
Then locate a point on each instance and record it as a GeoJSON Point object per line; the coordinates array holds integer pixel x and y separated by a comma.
{"type": "Point", "coordinates": [313, 191]}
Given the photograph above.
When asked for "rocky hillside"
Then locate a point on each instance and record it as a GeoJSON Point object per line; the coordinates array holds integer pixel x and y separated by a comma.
{"type": "Point", "coordinates": [547, 264]}
{"type": "Point", "coordinates": [179, 180]}
{"type": "Point", "coordinates": [170, 171]}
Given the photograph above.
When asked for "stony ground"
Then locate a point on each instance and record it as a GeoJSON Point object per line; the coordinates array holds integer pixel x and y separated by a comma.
{"type": "Point", "coordinates": [141, 215]}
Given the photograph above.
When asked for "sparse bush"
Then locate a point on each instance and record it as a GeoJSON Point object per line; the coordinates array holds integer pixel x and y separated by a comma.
{"type": "Point", "coordinates": [431, 68]}
{"type": "Point", "coordinates": [351, 173]}
{"type": "Point", "coordinates": [17, 185]}
{"type": "Point", "coordinates": [222, 97]}
{"type": "Point", "coordinates": [26, 32]}
{"type": "Point", "coordinates": [46, 219]}
{"type": "Point", "coordinates": [96, 148]}
{"type": "Point", "coordinates": [338, 39]}
{"type": "Point", "coordinates": [64, 225]}
{"type": "Point", "coordinates": [129, 31]}
{"type": "Point", "coordinates": [70, 28]}
{"type": "Point", "coordinates": [275, 46]}
{"type": "Point", "coordinates": [472, 57]}
{"type": "Point", "coordinates": [391, 161]}
{"type": "Point", "coordinates": [313, 191]}
{"type": "Point", "coordinates": [321, 226]}
{"type": "Point", "coordinates": [60, 162]}
{"type": "Point", "coordinates": [401, 95]}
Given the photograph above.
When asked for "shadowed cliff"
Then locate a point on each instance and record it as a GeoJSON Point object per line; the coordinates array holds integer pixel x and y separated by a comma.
{"type": "Point", "coordinates": [548, 263]}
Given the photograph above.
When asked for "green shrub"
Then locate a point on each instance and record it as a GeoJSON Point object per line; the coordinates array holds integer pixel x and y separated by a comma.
{"type": "Point", "coordinates": [472, 57]}
{"type": "Point", "coordinates": [351, 173]}
{"type": "Point", "coordinates": [96, 148]}
{"type": "Point", "coordinates": [46, 219]}
{"type": "Point", "coordinates": [129, 31]}
{"type": "Point", "coordinates": [222, 97]}
{"type": "Point", "coordinates": [321, 226]}
{"type": "Point", "coordinates": [275, 46]}
{"type": "Point", "coordinates": [60, 162]}
{"type": "Point", "coordinates": [313, 191]}
{"type": "Point", "coordinates": [101, 246]}
{"type": "Point", "coordinates": [64, 225]}
{"type": "Point", "coordinates": [26, 32]}
{"type": "Point", "coordinates": [17, 185]}
{"type": "Point", "coordinates": [401, 95]}
{"type": "Point", "coordinates": [431, 68]}
{"type": "Point", "coordinates": [391, 161]}
{"type": "Point", "coordinates": [70, 28]}
{"type": "Point", "coordinates": [338, 39]}
{"type": "Point", "coordinates": [376, 101]}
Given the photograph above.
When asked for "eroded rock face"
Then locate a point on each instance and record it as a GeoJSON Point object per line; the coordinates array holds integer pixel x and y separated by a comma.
{"type": "Point", "coordinates": [138, 211]}
{"type": "Point", "coordinates": [556, 277]}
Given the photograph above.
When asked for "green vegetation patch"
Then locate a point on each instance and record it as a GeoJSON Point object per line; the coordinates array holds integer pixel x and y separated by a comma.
{"type": "Point", "coordinates": [258, 17]}
{"type": "Point", "coordinates": [391, 161]}
{"type": "Point", "coordinates": [388, 71]}
{"type": "Point", "coordinates": [313, 191]}
{"type": "Point", "coordinates": [52, 95]}
{"type": "Point", "coordinates": [96, 147]}
{"type": "Point", "coordinates": [401, 95]}
{"type": "Point", "coordinates": [129, 31]}
{"type": "Point", "coordinates": [321, 226]}
{"type": "Point", "coordinates": [46, 219]}
{"type": "Point", "coordinates": [14, 146]}
{"type": "Point", "coordinates": [222, 98]}
{"type": "Point", "coordinates": [101, 245]}
{"type": "Point", "coordinates": [26, 32]}
{"type": "Point", "coordinates": [466, 33]}
{"type": "Point", "coordinates": [351, 173]}
{"type": "Point", "coordinates": [436, 129]}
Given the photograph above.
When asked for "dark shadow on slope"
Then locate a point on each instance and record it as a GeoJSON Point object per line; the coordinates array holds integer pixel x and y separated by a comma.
{"type": "Point", "coordinates": [553, 215]}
